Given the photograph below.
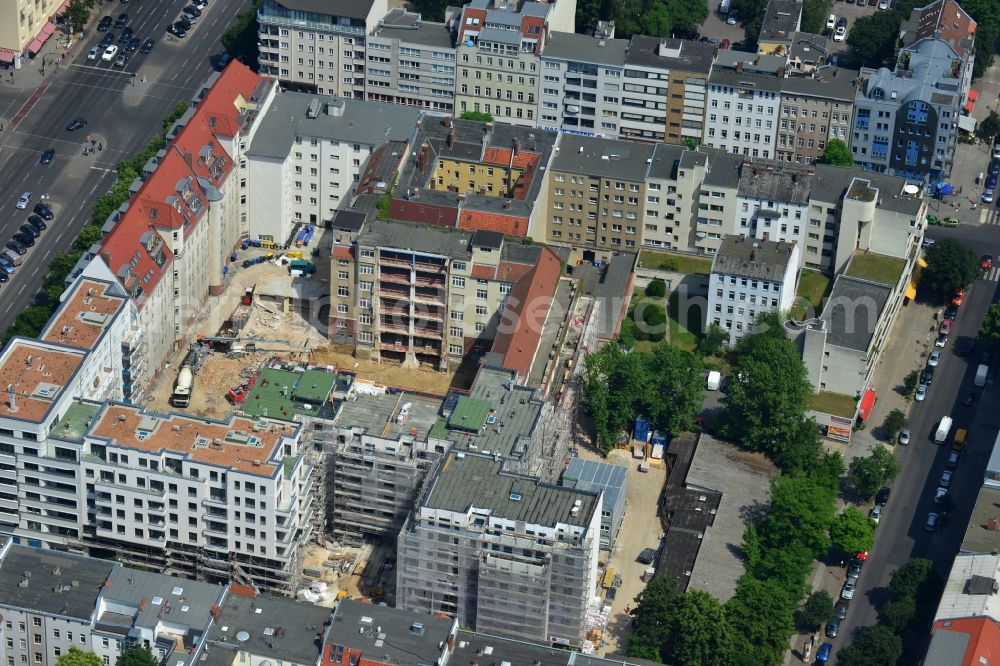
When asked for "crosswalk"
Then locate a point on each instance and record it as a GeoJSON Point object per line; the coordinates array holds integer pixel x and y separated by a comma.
{"type": "Point", "coordinates": [992, 216]}
{"type": "Point", "coordinates": [993, 274]}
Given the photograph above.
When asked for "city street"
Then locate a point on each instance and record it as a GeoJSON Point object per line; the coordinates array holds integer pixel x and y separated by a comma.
{"type": "Point", "coordinates": [901, 535]}
{"type": "Point", "coordinates": [124, 108]}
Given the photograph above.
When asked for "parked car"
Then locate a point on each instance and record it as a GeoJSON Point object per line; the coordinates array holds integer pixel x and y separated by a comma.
{"type": "Point", "coordinates": [840, 35]}
{"type": "Point", "coordinates": [945, 326]}
{"type": "Point", "coordinates": [950, 312]}
{"type": "Point", "coordinates": [932, 520]}
{"type": "Point", "coordinates": [934, 359]}
{"type": "Point", "coordinates": [927, 376]}
{"type": "Point", "coordinates": [904, 436]}
{"type": "Point", "coordinates": [996, 151]}
{"type": "Point", "coordinates": [23, 200]}
{"type": "Point", "coordinates": [942, 340]}
{"type": "Point", "coordinates": [121, 21]}
{"type": "Point", "coordinates": [44, 211]}
{"type": "Point", "coordinates": [876, 513]}
{"type": "Point", "coordinates": [958, 298]}
{"type": "Point", "coordinates": [27, 240]}
{"type": "Point", "coordinates": [847, 592]}
{"type": "Point", "coordinates": [986, 262]}
{"type": "Point", "coordinates": [93, 53]}
{"type": "Point", "coordinates": [940, 494]}
{"type": "Point", "coordinates": [37, 222]}
{"type": "Point", "coordinates": [733, 17]}
{"type": "Point", "coordinates": [47, 156]}
{"type": "Point", "coordinates": [826, 649]}
{"type": "Point", "coordinates": [921, 393]}
{"type": "Point", "coordinates": [832, 627]}
{"type": "Point", "coordinates": [945, 481]}
{"type": "Point", "coordinates": [147, 46]}
{"type": "Point", "coordinates": [177, 30]}
{"type": "Point", "coordinates": [927, 242]}
{"type": "Point", "coordinates": [831, 22]}
{"type": "Point", "coordinates": [840, 610]}
{"type": "Point", "coordinates": [30, 230]}
{"type": "Point", "coordinates": [987, 196]}
{"type": "Point", "coordinates": [953, 459]}
{"type": "Point", "coordinates": [16, 247]}
{"type": "Point", "coordinates": [882, 496]}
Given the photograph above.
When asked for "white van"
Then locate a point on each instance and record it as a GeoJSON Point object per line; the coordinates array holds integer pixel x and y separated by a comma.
{"type": "Point", "coordinates": [714, 379]}
{"type": "Point", "coordinates": [943, 429]}
{"type": "Point", "coordinates": [982, 374]}
{"type": "Point", "coordinates": [724, 6]}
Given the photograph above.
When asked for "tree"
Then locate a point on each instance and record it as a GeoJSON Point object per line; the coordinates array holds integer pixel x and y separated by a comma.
{"type": "Point", "coordinates": [869, 474]}
{"type": "Point", "coordinates": [29, 322]}
{"type": "Point", "coordinates": [950, 266]}
{"type": "Point", "coordinates": [852, 531]}
{"type": "Point", "coordinates": [78, 14]}
{"type": "Point", "coordinates": [989, 128]}
{"type": "Point", "coordinates": [240, 38]}
{"type": "Point", "coordinates": [654, 318]}
{"type": "Point", "coordinates": [817, 609]}
{"type": "Point", "coordinates": [907, 580]}
{"type": "Point", "coordinates": [137, 657]}
{"type": "Point", "coordinates": [874, 646]}
{"type": "Point", "coordinates": [764, 612]}
{"type": "Point", "coordinates": [477, 116]}
{"type": "Point", "coordinates": [698, 633]}
{"type": "Point", "coordinates": [180, 108]}
{"type": "Point", "coordinates": [872, 38]}
{"type": "Point", "coordinates": [837, 153]}
{"type": "Point", "coordinates": [814, 13]}
{"type": "Point", "coordinates": [651, 618]}
{"type": "Point", "coordinates": [89, 234]}
{"type": "Point", "coordinates": [897, 613]}
{"type": "Point", "coordinates": [894, 422]}
{"type": "Point", "coordinates": [656, 289]}
{"type": "Point", "coordinates": [432, 10]}
{"type": "Point", "coordinates": [59, 268]}
{"type": "Point", "coordinates": [989, 330]}
{"type": "Point", "coordinates": [675, 390]}
{"type": "Point", "coordinates": [687, 15]}
{"type": "Point", "coordinates": [910, 382]}
{"type": "Point", "coordinates": [77, 657]}
{"type": "Point", "coordinates": [711, 342]}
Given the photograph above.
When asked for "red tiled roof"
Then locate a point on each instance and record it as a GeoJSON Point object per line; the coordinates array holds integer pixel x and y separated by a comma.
{"type": "Point", "coordinates": [481, 271]}
{"type": "Point", "coordinates": [509, 271]}
{"type": "Point", "coordinates": [422, 212]}
{"type": "Point", "coordinates": [172, 198]}
{"type": "Point", "coordinates": [954, 23]}
{"type": "Point", "coordinates": [342, 252]}
{"type": "Point", "coordinates": [984, 638]}
{"type": "Point", "coordinates": [521, 325]}
{"type": "Point", "coordinates": [508, 225]}
{"type": "Point", "coordinates": [501, 156]}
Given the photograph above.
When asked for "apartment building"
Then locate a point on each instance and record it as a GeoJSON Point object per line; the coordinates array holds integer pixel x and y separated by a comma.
{"type": "Point", "coordinates": [673, 183]}
{"type": "Point", "coordinates": [498, 59]}
{"type": "Point", "coordinates": [213, 500]}
{"type": "Point", "coordinates": [773, 204]}
{"type": "Point", "coordinates": [501, 552]}
{"type": "Point", "coordinates": [24, 27]}
{"type": "Point", "coordinates": [411, 62]}
{"type": "Point", "coordinates": [596, 194]}
{"type": "Point", "coordinates": [742, 114]}
{"type": "Point", "coordinates": [814, 111]}
{"type": "Point", "coordinates": [611, 481]}
{"type": "Point", "coordinates": [429, 296]}
{"type": "Point", "coordinates": [310, 153]}
{"type": "Point", "coordinates": [53, 601]}
{"type": "Point", "coordinates": [383, 636]}
{"type": "Point", "coordinates": [750, 277]}
{"type": "Point", "coordinates": [664, 90]}
{"type": "Point", "coordinates": [782, 20]}
{"type": "Point", "coordinates": [948, 21]}
{"type": "Point", "coordinates": [581, 84]}
{"type": "Point", "coordinates": [473, 176]}
{"type": "Point", "coordinates": [716, 204]}
{"type": "Point", "coordinates": [318, 47]}
{"type": "Point", "coordinates": [808, 54]}
{"type": "Point", "coordinates": [170, 245]}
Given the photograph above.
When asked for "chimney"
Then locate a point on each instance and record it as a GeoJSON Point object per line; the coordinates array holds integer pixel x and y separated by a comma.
{"type": "Point", "coordinates": [739, 67]}
{"type": "Point", "coordinates": [11, 401]}
{"type": "Point", "coordinates": [451, 137]}
{"type": "Point", "coordinates": [447, 121]}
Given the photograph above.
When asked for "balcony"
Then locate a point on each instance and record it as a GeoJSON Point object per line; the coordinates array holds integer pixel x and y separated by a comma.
{"type": "Point", "coordinates": [426, 267]}
{"type": "Point", "coordinates": [209, 502]}
{"type": "Point", "coordinates": [394, 277]}
{"type": "Point", "coordinates": [436, 334]}
{"type": "Point", "coordinates": [393, 260]}
{"type": "Point", "coordinates": [265, 17]}
{"type": "Point", "coordinates": [135, 489]}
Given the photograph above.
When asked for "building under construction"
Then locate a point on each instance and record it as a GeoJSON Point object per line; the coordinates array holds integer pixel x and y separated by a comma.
{"type": "Point", "coordinates": [505, 553]}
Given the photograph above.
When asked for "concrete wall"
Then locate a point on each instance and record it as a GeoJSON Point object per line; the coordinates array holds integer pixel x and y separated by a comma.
{"type": "Point", "coordinates": [267, 198]}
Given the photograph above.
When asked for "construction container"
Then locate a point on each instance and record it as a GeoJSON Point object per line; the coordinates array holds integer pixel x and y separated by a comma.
{"type": "Point", "coordinates": [643, 429]}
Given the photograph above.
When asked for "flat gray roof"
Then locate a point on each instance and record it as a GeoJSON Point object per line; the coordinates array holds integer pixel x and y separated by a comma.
{"type": "Point", "coordinates": [596, 475]}
{"type": "Point", "coordinates": [607, 158]}
{"type": "Point", "coordinates": [734, 79]}
{"type": "Point", "coordinates": [723, 169]}
{"type": "Point", "coordinates": [270, 628]}
{"type": "Point", "coordinates": [585, 48]}
{"type": "Point", "coordinates": [518, 408]}
{"type": "Point", "coordinates": [442, 241]}
{"type": "Point", "coordinates": [612, 289]}
{"type": "Point", "coordinates": [751, 62]}
{"type": "Point", "coordinates": [979, 538]}
{"type": "Point", "coordinates": [832, 83]}
{"type": "Point", "coordinates": [176, 601]}
{"type": "Point", "coordinates": [467, 480]}
{"type": "Point", "coordinates": [747, 257]}
{"type": "Point", "coordinates": [409, 28]}
{"type": "Point", "coordinates": [379, 415]}
{"type": "Point", "coordinates": [60, 583]}
{"type": "Point", "coordinates": [666, 158]}
{"type": "Point", "coordinates": [786, 185]}
{"type": "Point", "coordinates": [852, 312]}
{"type": "Point", "coordinates": [389, 635]}
{"type": "Point", "coordinates": [678, 54]}
{"type": "Point", "coordinates": [832, 182]}
{"type": "Point", "coordinates": [781, 19]}
{"type": "Point", "coordinates": [356, 9]}
{"type": "Point", "coordinates": [948, 647]}
{"type": "Point", "coordinates": [744, 480]}
{"type": "Point", "coordinates": [472, 645]}
{"type": "Point", "coordinates": [370, 123]}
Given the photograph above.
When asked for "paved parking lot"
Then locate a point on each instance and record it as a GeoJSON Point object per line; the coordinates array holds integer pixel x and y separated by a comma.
{"type": "Point", "coordinates": [716, 26]}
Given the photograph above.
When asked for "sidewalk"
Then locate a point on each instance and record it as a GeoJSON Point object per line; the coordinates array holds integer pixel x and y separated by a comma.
{"type": "Point", "coordinates": [911, 343]}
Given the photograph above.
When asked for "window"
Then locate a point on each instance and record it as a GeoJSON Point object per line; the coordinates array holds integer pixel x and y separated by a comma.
{"type": "Point", "coordinates": [342, 290]}
{"type": "Point", "coordinates": [457, 281]}
{"type": "Point", "coordinates": [481, 294]}
{"type": "Point", "coordinates": [457, 315]}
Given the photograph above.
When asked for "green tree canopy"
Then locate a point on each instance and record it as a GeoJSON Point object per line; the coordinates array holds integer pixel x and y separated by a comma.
{"type": "Point", "coordinates": [868, 474]}
{"type": "Point", "coordinates": [711, 342]}
{"type": "Point", "coordinates": [897, 613]}
{"type": "Point", "coordinates": [907, 580]}
{"type": "Point", "coordinates": [77, 657]}
{"type": "Point", "coordinates": [656, 289]}
{"type": "Point", "coordinates": [240, 38]}
{"type": "Point", "coordinates": [666, 385]}
{"type": "Point", "coordinates": [817, 609]}
{"type": "Point", "coordinates": [872, 38]}
{"type": "Point", "coordinates": [989, 128]}
{"type": "Point", "coordinates": [137, 657]}
{"type": "Point", "coordinates": [894, 423]}
{"type": "Point", "coordinates": [764, 613]}
{"type": "Point", "coordinates": [837, 153]}
{"type": "Point", "coordinates": [698, 633]}
{"type": "Point", "coordinates": [814, 13]}
{"type": "Point", "coordinates": [989, 330]}
{"type": "Point", "coordinates": [852, 531]}
{"type": "Point", "coordinates": [950, 266]}
{"type": "Point", "coordinates": [78, 13]}
{"type": "Point", "coordinates": [651, 618]}
{"type": "Point", "coordinates": [874, 646]}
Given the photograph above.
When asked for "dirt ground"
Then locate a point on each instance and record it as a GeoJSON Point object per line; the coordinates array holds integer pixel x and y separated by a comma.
{"type": "Point", "coordinates": [640, 529]}
{"type": "Point", "coordinates": [391, 374]}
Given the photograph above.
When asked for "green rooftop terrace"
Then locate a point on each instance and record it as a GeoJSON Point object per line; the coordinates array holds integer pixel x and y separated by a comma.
{"type": "Point", "coordinates": [283, 394]}
{"type": "Point", "coordinates": [876, 268]}
{"type": "Point", "coordinates": [470, 414]}
{"type": "Point", "coordinates": [76, 422]}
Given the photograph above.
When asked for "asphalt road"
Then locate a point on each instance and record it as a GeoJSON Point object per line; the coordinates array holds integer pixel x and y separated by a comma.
{"type": "Point", "coordinates": [901, 534]}
{"type": "Point", "coordinates": [123, 113]}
